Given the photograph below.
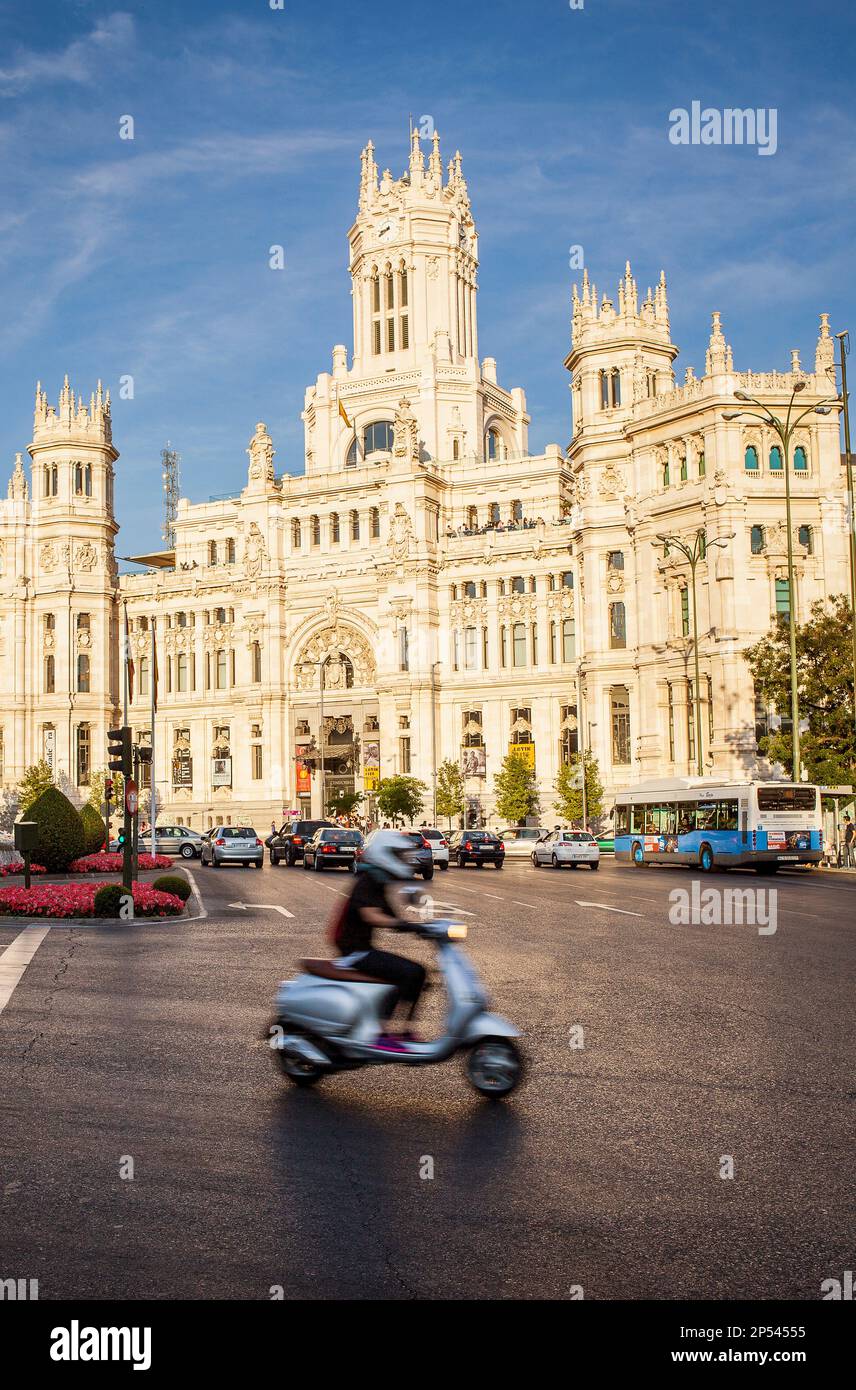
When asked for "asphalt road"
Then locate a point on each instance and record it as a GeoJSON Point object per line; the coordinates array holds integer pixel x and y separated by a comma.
{"type": "Point", "coordinates": [142, 1044]}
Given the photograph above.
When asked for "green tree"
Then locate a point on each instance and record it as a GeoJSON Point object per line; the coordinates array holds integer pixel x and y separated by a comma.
{"type": "Point", "coordinates": [94, 830]}
{"type": "Point", "coordinates": [344, 803]}
{"type": "Point", "coordinates": [96, 789]}
{"type": "Point", "coordinates": [401, 798]}
{"type": "Point", "coordinates": [35, 780]}
{"type": "Point", "coordinates": [60, 830]}
{"type": "Point", "coordinates": [450, 790]}
{"type": "Point", "coordinates": [516, 789]}
{"type": "Point", "coordinates": [569, 792]}
{"type": "Point", "coordinates": [825, 684]}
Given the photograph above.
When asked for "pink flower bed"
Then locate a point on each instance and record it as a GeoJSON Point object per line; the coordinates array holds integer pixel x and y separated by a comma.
{"type": "Point", "coordinates": [104, 863]}
{"type": "Point", "coordinates": [78, 900]}
{"type": "Point", "coordinates": [17, 870]}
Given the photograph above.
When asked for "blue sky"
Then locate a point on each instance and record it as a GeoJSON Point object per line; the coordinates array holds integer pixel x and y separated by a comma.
{"type": "Point", "coordinates": [150, 257]}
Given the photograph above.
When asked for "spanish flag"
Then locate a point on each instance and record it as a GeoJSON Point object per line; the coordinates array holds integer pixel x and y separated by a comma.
{"type": "Point", "coordinates": [344, 414]}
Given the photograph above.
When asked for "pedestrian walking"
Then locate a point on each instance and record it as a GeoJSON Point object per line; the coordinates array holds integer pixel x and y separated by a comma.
{"type": "Point", "coordinates": [849, 849]}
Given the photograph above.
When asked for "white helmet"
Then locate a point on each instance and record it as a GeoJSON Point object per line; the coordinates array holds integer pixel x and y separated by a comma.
{"type": "Point", "coordinates": [391, 852]}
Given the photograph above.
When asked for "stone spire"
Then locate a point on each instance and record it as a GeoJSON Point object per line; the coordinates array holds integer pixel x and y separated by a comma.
{"type": "Point", "coordinates": [368, 177]}
{"type": "Point", "coordinates": [661, 302]}
{"type": "Point", "coordinates": [718, 357]}
{"type": "Point", "coordinates": [19, 489]}
{"type": "Point", "coordinates": [435, 163]}
{"type": "Point", "coordinates": [824, 353]}
{"type": "Point", "coordinates": [628, 300]}
{"type": "Point", "coordinates": [417, 160]}
{"type": "Point", "coordinates": [71, 417]}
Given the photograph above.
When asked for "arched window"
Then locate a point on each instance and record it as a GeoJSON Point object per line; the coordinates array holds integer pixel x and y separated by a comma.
{"type": "Point", "coordinates": [493, 444]}
{"type": "Point", "coordinates": [87, 480]}
{"type": "Point", "coordinates": [355, 526]}
{"type": "Point", "coordinates": [83, 673]}
{"type": "Point", "coordinates": [604, 391]}
{"type": "Point", "coordinates": [775, 459]}
{"type": "Point", "coordinates": [800, 460]}
{"type": "Point", "coordinates": [376, 439]}
{"type": "Point", "coordinates": [757, 540]}
{"type": "Point", "coordinates": [666, 474]}
{"type": "Point", "coordinates": [375, 302]}
{"type": "Point", "coordinates": [335, 535]}
{"type": "Point", "coordinates": [389, 302]}
{"type": "Point", "coordinates": [374, 523]}
{"type": "Point", "coordinates": [315, 530]}
{"type": "Point", "coordinates": [805, 536]}
{"type": "Point", "coordinates": [701, 464]}
{"type": "Point", "coordinates": [750, 459]}
{"type": "Point", "coordinates": [295, 533]}
{"type": "Point", "coordinates": [615, 386]}
{"type": "Point", "coordinates": [684, 474]}
{"type": "Point", "coordinates": [403, 309]}
{"type": "Point", "coordinates": [78, 480]}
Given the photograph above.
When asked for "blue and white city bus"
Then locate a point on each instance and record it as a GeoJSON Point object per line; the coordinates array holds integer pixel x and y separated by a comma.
{"type": "Point", "coordinates": [719, 824]}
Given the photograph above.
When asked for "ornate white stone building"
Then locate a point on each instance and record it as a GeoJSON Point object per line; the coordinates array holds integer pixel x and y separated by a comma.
{"type": "Point", "coordinates": [451, 590]}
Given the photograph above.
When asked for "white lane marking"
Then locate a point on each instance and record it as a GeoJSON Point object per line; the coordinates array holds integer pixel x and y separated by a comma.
{"type": "Point", "coordinates": [605, 907]}
{"type": "Point", "coordinates": [453, 907]}
{"type": "Point", "coordinates": [520, 904]}
{"type": "Point", "coordinates": [203, 911]}
{"type": "Point", "coordinates": [16, 958]}
{"type": "Point", "coordinates": [271, 907]}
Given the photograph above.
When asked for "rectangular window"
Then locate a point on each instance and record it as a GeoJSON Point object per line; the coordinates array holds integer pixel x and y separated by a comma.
{"type": "Point", "coordinates": [534, 644]}
{"type": "Point", "coordinates": [472, 735]}
{"type": "Point", "coordinates": [552, 644]}
{"type": "Point", "coordinates": [503, 646]}
{"type": "Point", "coordinates": [485, 649]}
{"type": "Point", "coordinates": [619, 703]}
{"type": "Point", "coordinates": [569, 640]}
{"type": "Point", "coordinates": [404, 755]}
{"type": "Point", "coordinates": [403, 649]}
{"type": "Point", "coordinates": [256, 654]}
{"type": "Point", "coordinates": [181, 672]}
{"type": "Point", "coordinates": [671, 699]}
{"type": "Point", "coordinates": [471, 649]}
{"type": "Point", "coordinates": [405, 332]}
{"type": "Point", "coordinates": [376, 337]}
{"type": "Point", "coordinates": [685, 612]}
{"type": "Point", "coordinates": [783, 598]}
{"type": "Point", "coordinates": [232, 667]}
{"type": "Point", "coordinates": [519, 644]}
{"type": "Point", "coordinates": [710, 709]}
{"type": "Point", "coordinates": [617, 626]}
{"type": "Point", "coordinates": [691, 722]}
{"type": "Point", "coordinates": [390, 335]}
{"type": "Point", "coordinates": [256, 755]}
{"type": "Point", "coordinates": [221, 669]}
{"type": "Point", "coordinates": [83, 755]}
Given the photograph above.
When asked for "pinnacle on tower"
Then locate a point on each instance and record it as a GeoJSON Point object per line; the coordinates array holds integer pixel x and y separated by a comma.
{"type": "Point", "coordinates": [19, 490]}
{"type": "Point", "coordinates": [417, 161]}
{"type": "Point", "coordinates": [824, 354]}
{"type": "Point", "coordinates": [72, 415]}
{"type": "Point", "coordinates": [718, 357]}
{"type": "Point", "coordinates": [796, 365]}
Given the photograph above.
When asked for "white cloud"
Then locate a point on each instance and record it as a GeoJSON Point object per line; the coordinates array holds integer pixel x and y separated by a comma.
{"type": "Point", "coordinates": [76, 63]}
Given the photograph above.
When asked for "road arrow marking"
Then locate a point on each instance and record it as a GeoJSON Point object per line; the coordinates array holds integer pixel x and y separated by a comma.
{"type": "Point", "coordinates": [271, 907]}
{"type": "Point", "coordinates": [605, 907]}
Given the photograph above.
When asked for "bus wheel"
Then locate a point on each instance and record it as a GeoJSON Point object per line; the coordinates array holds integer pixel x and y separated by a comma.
{"type": "Point", "coordinates": [705, 859]}
{"type": "Point", "coordinates": [638, 856]}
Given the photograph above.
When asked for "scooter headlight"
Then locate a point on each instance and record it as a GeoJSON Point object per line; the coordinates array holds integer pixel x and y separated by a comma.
{"type": "Point", "coordinates": [456, 932]}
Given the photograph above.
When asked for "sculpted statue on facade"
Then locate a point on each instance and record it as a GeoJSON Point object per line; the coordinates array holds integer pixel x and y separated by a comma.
{"type": "Point", "coordinates": [400, 532]}
{"type": "Point", "coordinates": [405, 433]}
{"type": "Point", "coordinates": [261, 452]}
{"type": "Point", "coordinates": [255, 551]}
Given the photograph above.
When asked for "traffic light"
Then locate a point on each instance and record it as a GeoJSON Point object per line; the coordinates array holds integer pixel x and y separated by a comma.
{"type": "Point", "coordinates": [119, 750]}
{"type": "Point", "coordinates": [108, 788]}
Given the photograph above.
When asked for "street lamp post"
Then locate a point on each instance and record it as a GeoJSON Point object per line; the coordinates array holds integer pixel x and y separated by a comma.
{"type": "Point", "coordinates": [784, 430]}
{"type": "Point", "coordinates": [693, 554]}
{"type": "Point", "coordinates": [320, 667]}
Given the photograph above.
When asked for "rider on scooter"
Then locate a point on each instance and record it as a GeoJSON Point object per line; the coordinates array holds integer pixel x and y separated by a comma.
{"type": "Point", "coordinates": [388, 860]}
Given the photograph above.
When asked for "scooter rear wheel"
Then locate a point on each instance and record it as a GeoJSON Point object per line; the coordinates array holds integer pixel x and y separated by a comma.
{"type": "Point", "coordinates": [298, 1070]}
{"type": "Point", "coordinates": [494, 1067]}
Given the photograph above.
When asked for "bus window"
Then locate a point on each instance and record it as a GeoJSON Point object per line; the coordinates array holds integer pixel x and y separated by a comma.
{"type": "Point", "coordinates": [665, 818]}
{"type": "Point", "coordinates": [727, 815]}
{"type": "Point", "coordinates": [638, 819]}
{"type": "Point", "coordinates": [622, 820]}
{"type": "Point", "coordinates": [686, 817]}
{"type": "Point", "coordinates": [706, 815]}
{"type": "Point", "coordinates": [787, 798]}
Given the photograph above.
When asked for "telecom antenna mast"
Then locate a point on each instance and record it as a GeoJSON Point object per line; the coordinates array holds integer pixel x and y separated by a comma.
{"type": "Point", "coordinates": [171, 492]}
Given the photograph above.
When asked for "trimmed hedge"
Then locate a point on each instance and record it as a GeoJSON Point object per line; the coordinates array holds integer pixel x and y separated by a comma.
{"type": "Point", "coordinates": [94, 830]}
{"type": "Point", "coordinates": [108, 900]}
{"type": "Point", "coordinates": [61, 836]}
{"type": "Point", "coordinates": [173, 883]}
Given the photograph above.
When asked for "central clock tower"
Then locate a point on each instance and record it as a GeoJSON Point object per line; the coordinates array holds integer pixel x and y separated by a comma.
{"type": "Point", "coordinates": [414, 264]}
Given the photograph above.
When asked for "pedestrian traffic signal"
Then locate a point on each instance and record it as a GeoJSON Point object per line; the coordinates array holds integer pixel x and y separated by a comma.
{"type": "Point", "coordinates": [108, 788]}
{"type": "Point", "coordinates": [119, 750]}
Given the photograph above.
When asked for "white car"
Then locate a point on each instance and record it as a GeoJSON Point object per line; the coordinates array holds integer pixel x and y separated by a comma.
{"type": "Point", "coordinates": [439, 842]}
{"type": "Point", "coordinates": [563, 847]}
{"type": "Point", "coordinates": [520, 842]}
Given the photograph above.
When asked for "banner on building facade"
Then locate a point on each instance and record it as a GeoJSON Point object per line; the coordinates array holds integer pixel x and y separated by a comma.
{"type": "Point", "coordinates": [304, 772]}
{"type": "Point", "coordinates": [221, 772]}
{"type": "Point", "coordinates": [525, 751]}
{"type": "Point", "coordinates": [474, 762]}
{"type": "Point", "coordinates": [371, 767]}
{"type": "Point", "coordinates": [49, 745]}
{"type": "Point", "coordinates": [182, 769]}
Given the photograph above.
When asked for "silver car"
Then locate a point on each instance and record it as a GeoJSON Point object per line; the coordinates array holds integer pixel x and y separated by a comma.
{"type": "Point", "coordinates": [233, 844]}
{"type": "Point", "coordinates": [563, 847]}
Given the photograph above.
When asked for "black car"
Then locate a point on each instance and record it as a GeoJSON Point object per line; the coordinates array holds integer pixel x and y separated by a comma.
{"type": "Point", "coordinates": [291, 840]}
{"type": "Point", "coordinates": [476, 847]}
{"type": "Point", "coordinates": [333, 848]}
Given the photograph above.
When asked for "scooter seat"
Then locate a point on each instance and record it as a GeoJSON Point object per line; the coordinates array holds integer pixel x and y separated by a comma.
{"type": "Point", "coordinates": [329, 970]}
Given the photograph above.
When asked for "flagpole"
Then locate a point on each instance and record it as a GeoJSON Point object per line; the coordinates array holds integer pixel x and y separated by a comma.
{"type": "Point", "coordinates": [153, 810]}
{"type": "Point", "coordinates": [127, 653]}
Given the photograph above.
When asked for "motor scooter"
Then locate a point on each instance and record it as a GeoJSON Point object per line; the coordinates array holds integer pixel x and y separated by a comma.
{"type": "Point", "coordinates": [328, 1020]}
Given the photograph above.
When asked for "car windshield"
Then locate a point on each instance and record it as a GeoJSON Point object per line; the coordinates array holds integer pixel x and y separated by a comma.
{"type": "Point", "coordinates": [528, 834]}
{"type": "Point", "coordinates": [433, 834]}
{"type": "Point", "coordinates": [478, 835]}
{"type": "Point", "coordinates": [415, 835]}
{"type": "Point", "coordinates": [235, 832]}
{"type": "Point", "coordinates": [579, 838]}
{"type": "Point", "coordinates": [342, 837]}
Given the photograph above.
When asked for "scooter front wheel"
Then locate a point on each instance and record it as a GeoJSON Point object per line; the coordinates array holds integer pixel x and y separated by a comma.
{"type": "Point", "coordinates": [299, 1071]}
{"type": "Point", "coordinates": [494, 1067]}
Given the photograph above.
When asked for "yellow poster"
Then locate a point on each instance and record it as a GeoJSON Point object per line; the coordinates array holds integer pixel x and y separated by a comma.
{"type": "Point", "coordinates": [525, 751]}
{"type": "Point", "coordinates": [371, 778]}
